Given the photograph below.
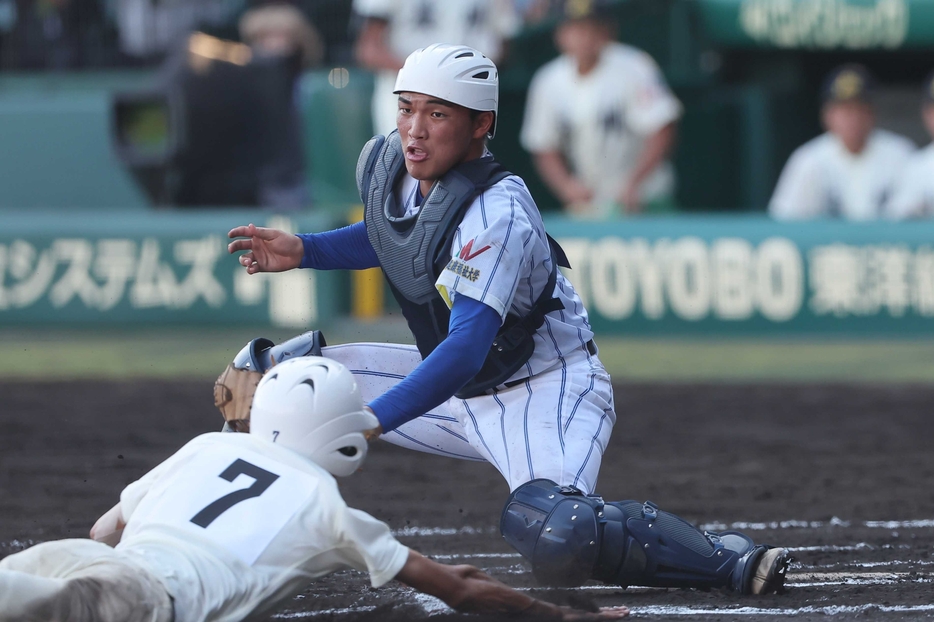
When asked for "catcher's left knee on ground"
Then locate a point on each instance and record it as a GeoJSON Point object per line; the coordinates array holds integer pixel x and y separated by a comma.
{"type": "Point", "coordinates": [570, 538]}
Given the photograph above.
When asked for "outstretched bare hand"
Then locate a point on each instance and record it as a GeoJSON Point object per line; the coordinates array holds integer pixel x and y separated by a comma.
{"type": "Point", "coordinates": [268, 250]}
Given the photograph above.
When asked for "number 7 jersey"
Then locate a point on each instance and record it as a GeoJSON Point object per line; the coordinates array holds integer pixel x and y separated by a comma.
{"type": "Point", "coordinates": [233, 525]}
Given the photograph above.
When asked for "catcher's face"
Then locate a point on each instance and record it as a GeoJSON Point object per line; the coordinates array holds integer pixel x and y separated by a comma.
{"type": "Point", "coordinates": [438, 135]}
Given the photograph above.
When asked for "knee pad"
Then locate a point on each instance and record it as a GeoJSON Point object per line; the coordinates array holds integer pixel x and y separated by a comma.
{"type": "Point", "coordinates": [556, 529]}
{"type": "Point", "coordinates": [570, 537]}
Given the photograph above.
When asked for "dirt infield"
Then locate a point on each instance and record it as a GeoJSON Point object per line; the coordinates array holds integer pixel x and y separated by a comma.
{"type": "Point", "coordinates": [844, 475]}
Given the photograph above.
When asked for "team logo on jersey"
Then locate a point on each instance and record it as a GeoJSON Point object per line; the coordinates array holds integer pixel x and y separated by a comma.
{"type": "Point", "coordinates": [466, 255]}
{"type": "Point", "coordinates": [463, 270]}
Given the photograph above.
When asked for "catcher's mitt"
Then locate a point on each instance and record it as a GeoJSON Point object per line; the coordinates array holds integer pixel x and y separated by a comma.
{"type": "Point", "coordinates": [233, 396]}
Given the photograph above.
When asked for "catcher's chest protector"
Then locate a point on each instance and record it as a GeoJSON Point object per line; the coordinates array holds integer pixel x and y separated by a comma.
{"type": "Point", "coordinates": [413, 251]}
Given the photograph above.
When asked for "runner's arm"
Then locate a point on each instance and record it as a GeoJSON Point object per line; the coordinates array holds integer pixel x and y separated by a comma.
{"type": "Point", "coordinates": [109, 527]}
{"type": "Point", "coordinates": [469, 589]}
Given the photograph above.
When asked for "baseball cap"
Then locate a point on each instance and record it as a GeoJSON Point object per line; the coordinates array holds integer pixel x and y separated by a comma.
{"type": "Point", "coordinates": [585, 9]}
{"type": "Point", "coordinates": [849, 83]}
{"type": "Point", "coordinates": [929, 89]}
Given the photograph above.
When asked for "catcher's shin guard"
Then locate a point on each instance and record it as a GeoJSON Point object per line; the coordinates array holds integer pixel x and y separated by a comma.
{"type": "Point", "coordinates": [570, 537]}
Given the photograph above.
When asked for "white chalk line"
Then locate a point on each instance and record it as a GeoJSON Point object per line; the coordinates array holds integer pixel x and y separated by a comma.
{"type": "Point", "coordinates": [670, 610]}
{"type": "Point", "coordinates": [794, 580]}
{"type": "Point", "coordinates": [410, 532]}
{"type": "Point", "coordinates": [18, 544]}
{"type": "Point", "coordinates": [833, 522]}
{"type": "Point", "coordinates": [712, 526]}
{"type": "Point", "coordinates": [830, 610]}
{"type": "Point", "coordinates": [323, 612]}
{"type": "Point", "coordinates": [432, 606]}
{"type": "Point", "coordinates": [831, 548]}
{"type": "Point", "coordinates": [803, 574]}
{"type": "Point", "coordinates": [893, 562]}
{"type": "Point", "coordinates": [476, 556]}
{"type": "Point", "coordinates": [819, 579]}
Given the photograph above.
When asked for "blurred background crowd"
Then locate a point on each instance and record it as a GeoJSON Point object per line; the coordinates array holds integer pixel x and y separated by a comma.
{"type": "Point", "coordinates": [608, 108]}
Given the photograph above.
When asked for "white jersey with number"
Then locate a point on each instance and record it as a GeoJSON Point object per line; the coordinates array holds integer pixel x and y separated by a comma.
{"type": "Point", "coordinates": [823, 179]}
{"type": "Point", "coordinates": [599, 121]}
{"type": "Point", "coordinates": [414, 24]}
{"type": "Point", "coordinates": [914, 190]}
{"type": "Point", "coordinates": [232, 524]}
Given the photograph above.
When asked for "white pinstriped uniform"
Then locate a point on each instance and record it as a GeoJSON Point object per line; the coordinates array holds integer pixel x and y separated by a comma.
{"type": "Point", "coordinates": [823, 179]}
{"type": "Point", "coordinates": [914, 191]}
{"type": "Point", "coordinates": [554, 425]}
{"type": "Point", "coordinates": [600, 121]}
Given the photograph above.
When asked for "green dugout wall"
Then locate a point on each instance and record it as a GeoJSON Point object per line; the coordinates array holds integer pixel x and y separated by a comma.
{"type": "Point", "coordinates": [94, 268]}
{"type": "Point", "coordinates": [750, 275]}
{"type": "Point", "coordinates": [713, 275]}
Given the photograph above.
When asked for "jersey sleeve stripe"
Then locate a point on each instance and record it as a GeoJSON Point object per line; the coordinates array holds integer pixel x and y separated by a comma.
{"type": "Point", "coordinates": [483, 209]}
{"type": "Point", "coordinates": [512, 217]}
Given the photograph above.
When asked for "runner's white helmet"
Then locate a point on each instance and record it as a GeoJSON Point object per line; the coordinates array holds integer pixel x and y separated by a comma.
{"type": "Point", "coordinates": [311, 405]}
{"type": "Point", "coordinates": [454, 73]}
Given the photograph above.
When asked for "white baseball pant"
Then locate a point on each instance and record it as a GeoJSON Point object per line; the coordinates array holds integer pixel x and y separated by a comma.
{"type": "Point", "coordinates": [555, 425]}
{"type": "Point", "coordinates": [79, 581]}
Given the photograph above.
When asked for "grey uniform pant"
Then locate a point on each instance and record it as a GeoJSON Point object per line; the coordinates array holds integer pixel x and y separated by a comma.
{"type": "Point", "coordinates": [81, 581]}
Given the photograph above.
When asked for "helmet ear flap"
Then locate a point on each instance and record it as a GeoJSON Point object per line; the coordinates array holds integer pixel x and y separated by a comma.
{"type": "Point", "coordinates": [343, 456]}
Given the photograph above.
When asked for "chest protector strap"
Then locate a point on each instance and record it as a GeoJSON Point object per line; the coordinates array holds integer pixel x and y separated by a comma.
{"type": "Point", "coordinates": [414, 250]}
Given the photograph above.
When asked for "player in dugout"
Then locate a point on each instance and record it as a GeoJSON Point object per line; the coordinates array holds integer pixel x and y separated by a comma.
{"type": "Point", "coordinates": [849, 171]}
{"type": "Point", "coordinates": [505, 368]}
{"type": "Point", "coordinates": [914, 190]}
{"type": "Point", "coordinates": [192, 544]}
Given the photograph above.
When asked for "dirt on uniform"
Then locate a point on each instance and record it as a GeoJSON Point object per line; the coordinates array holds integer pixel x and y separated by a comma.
{"type": "Point", "coordinates": [844, 475]}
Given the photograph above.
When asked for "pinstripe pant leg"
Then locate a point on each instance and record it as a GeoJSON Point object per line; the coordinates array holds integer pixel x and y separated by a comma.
{"type": "Point", "coordinates": [377, 367]}
{"type": "Point", "coordinates": [555, 426]}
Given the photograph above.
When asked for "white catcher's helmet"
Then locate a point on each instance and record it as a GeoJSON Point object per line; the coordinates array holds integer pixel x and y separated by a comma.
{"type": "Point", "coordinates": [312, 406]}
{"type": "Point", "coordinates": [454, 73]}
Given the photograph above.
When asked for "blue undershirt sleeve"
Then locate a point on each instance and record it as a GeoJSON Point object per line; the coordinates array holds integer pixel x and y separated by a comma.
{"type": "Point", "coordinates": [347, 248]}
{"type": "Point", "coordinates": [457, 359]}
